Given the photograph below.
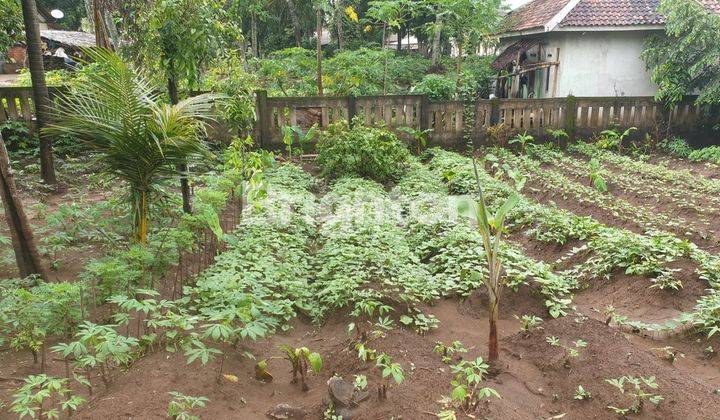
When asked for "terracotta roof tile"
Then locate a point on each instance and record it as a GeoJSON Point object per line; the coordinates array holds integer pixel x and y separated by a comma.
{"type": "Point", "coordinates": [614, 13]}
{"type": "Point", "coordinates": [537, 13]}
{"type": "Point", "coordinates": [534, 14]}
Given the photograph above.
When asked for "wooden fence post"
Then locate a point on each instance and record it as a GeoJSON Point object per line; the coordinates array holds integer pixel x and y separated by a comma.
{"type": "Point", "coordinates": [424, 113]}
{"type": "Point", "coordinates": [263, 120]}
{"type": "Point", "coordinates": [494, 111]}
{"type": "Point", "coordinates": [352, 109]}
{"type": "Point", "coordinates": [571, 117]}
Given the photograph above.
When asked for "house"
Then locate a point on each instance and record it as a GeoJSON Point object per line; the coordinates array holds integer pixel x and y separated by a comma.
{"type": "Point", "coordinates": [591, 48]}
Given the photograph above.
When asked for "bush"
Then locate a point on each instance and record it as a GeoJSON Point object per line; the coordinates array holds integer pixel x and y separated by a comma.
{"type": "Point", "coordinates": [437, 87]}
{"type": "Point", "coordinates": [676, 147]}
{"type": "Point", "coordinates": [708, 154]}
{"type": "Point", "coordinates": [370, 152]}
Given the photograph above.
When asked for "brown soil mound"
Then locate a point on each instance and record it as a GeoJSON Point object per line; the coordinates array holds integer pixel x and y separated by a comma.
{"type": "Point", "coordinates": [608, 355]}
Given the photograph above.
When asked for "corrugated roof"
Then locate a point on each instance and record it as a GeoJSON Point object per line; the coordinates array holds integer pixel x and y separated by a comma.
{"type": "Point", "coordinates": [70, 38]}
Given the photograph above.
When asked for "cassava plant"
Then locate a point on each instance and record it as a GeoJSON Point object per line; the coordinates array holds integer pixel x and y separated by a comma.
{"type": "Point", "coordinates": [43, 397]}
{"type": "Point", "coordinates": [637, 393]}
{"type": "Point", "coordinates": [491, 227]}
{"type": "Point", "coordinates": [181, 406]}
{"type": "Point", "coordinates": [466, 386]}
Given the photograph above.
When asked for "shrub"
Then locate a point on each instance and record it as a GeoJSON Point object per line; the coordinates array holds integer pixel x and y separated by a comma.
{"type": "Point", "coordinates": [677, 147]}
{"type": "Point", "coordinates": [436, 86]}
{"type": "Point", "coordinates": [708, 154]}
{"type": "Point", "coordinates": [370, 152]}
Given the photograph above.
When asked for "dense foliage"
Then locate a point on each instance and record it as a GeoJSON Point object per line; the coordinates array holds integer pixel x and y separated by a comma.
{"type": "Point", "coordinates": [375, 153]}
{"type": "Point", "coordinates": [685, 60]}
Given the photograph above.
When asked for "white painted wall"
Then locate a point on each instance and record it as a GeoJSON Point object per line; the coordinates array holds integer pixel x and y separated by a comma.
{"type": "Point", "coordinates": [601, 63]}
{"type": "Point", "coordinates": [596, 63]}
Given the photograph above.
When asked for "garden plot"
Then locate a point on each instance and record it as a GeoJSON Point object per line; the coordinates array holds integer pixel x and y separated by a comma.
{"type": "Point", "coordinates": [383, 282]}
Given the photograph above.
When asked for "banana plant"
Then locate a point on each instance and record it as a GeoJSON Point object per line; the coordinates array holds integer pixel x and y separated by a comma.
{"type": "Point", "coordinates": [491, 227]}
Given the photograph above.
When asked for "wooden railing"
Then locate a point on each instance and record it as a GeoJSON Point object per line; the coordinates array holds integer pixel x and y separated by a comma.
{"type": "Point", "coordinates": [453, 122]}
{"type": "Point", "coordinates": [16, 104]}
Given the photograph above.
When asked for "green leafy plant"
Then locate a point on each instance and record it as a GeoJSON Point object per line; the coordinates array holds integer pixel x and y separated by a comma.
{"type": "Point", "coordinates": [291, 133]}
{"type": "Point", "coordinates": [138, 139]}
{"type": "Point", "coordinates": [389, 369]}
{"type": "Point", "coordinates": [420, 137]}
{"type": "Point", "coordinates": [529, 322]}
{"type": "Point", "coordinates": [375, 153]}
{"type": "Point", "coordinates": [570, 351]}
{"type": "Point", "coordinates": [558, 135]}
{"type": "Point", "coordinates": [523, 140]}
{"type": "Point", "coordinates": [99, 348]}
{"type": "Point", "coordinates": [43, 397]}
{"type": "Point", "coordinates": [466, 385]}
{"type": "Point", "coordinates": [676, 147]}
{"type": "Point", "coordinates": [596, 178]}
{"type": "Point", "coordinates": [182, 406]}
{"type": "Point", "coordinates": [637, 391]}
{"type": "Point", "coordinates": [582, 394]}
{"type": "Point", "coordinates": [491, 228]}
{"type": "Point", "coordinates": [613, 139]}
{"type": "Point", "coordinates": [448, 351]}
{"type": "Point", "coordinates": [301, 358]}
{"type": "Point", "coordinates": [30, 316]}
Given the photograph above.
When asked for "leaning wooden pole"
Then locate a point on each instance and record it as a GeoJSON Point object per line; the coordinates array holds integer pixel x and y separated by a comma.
{"type": "Point", "coordinates": [26, 254]}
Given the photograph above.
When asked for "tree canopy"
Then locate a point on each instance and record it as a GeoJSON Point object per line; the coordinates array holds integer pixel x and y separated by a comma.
{"type": "Point", "coordinates": [687, 58]}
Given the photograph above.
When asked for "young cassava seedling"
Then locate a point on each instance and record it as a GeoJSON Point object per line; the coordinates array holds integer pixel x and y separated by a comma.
{"type": "Point", "coordinates": [636, 393]}
{"type": "Point", "coordinates": [181, 406]}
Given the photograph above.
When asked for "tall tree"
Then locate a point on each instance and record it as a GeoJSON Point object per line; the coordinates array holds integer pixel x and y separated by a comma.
{"type": "Point", "coordinates": [339, 12]}
{"type": "Point", "coordinates": [392, 14]}
{"type": "Point", "coordinates": [295, 18]}
{"type": "Point", "coordinates": [184, 34]}
{"type": "Point", "coordinates": [687, 58]}
{"type": "Point", "coordinates": [319, 12]}
{"type": "Point", "coordinates": [470, 22]}
{"type": "Point", "coordinates": [41, 97]}
{"type": "Point", "coordinates": [26, 254]}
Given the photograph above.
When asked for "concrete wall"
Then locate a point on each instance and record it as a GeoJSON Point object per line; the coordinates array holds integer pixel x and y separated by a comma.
{"type": "Point", "coordinates": [601, 64]}
{"type": "Point", "coordinates": [595, 63]}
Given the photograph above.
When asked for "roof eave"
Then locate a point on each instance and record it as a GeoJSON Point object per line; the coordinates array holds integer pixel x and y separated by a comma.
{"type": "Point", "coordinates": [523, 32]}
{"type": "Point", "coordinates": [609, 28]}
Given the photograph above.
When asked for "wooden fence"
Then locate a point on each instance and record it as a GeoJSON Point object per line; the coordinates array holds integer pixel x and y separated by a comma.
{"type": "Point", "coordinates": [16, 104]}
{"type": "Point", "coordinates": [452, 122]}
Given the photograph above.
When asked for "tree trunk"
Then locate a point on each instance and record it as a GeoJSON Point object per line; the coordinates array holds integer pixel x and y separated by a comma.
{"type": "Point", "coordinates": [141, 206]}
{"type": "Point", "coordinates": [493, 352]}
{"type": "Point", "coordinates": [41, 97]}
{"type": "Point", "coordinates": [26, 254]}
{"type": "Point", "coordinates": [319, 28]}
{"type": "Point", "coordinates": [254, 36]}
{"type": "Point", "coordinates": [458, 69]}
{"type": "Point", "coordinates": [399, 40]}
{"type": "Point", "coordinates": [102, 39]}
{"type": "Point", "coordinates": [385, 60]}
{"type": "Point", "coordinates": [436, 41]}
{"type": "Point", "coordinates": [295, 17]}
{"type": "Point", "coordinates": [339, 24]}
{"type": "Point", "coordinates": [184, 185]}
